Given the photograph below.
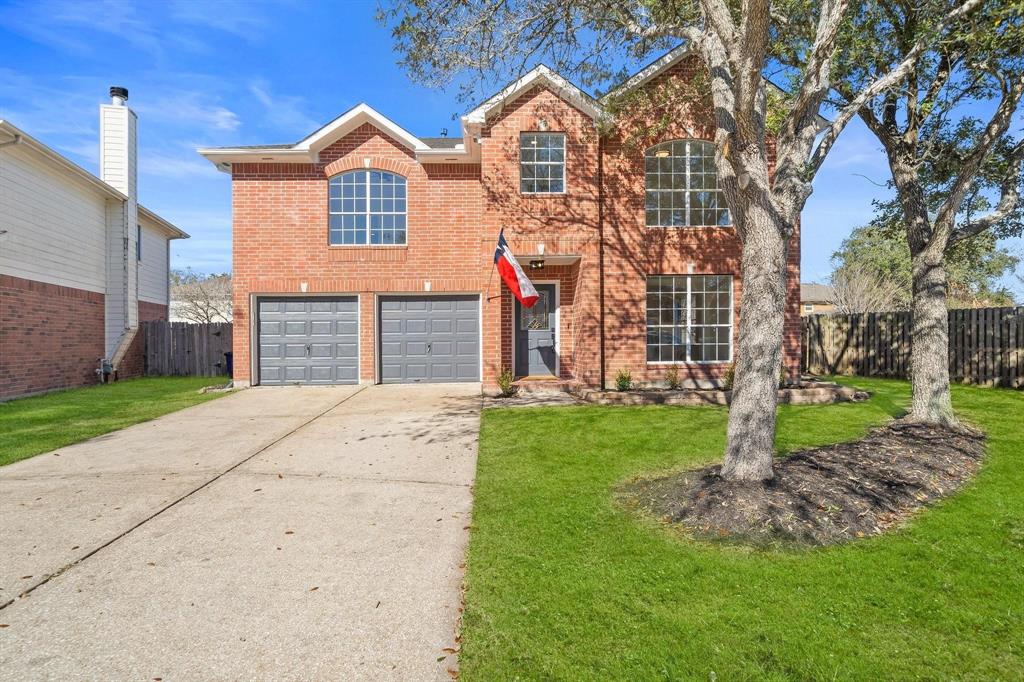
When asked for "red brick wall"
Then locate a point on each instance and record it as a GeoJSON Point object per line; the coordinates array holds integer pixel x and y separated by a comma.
{"type": "Point", "coordinates": [134, 363]}
{"type": "Point", "coordinates": [50, 336]}
{"type": "Point", "coordinates": [281, 235]}
{"type": "Point", "coordinates": [634, 251]}
{"type": "Point", "coordinates": [455, 212]}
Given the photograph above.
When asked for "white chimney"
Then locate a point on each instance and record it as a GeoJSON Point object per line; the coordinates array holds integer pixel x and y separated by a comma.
{"type": "Point", "coordinates": [118, 144]}
{"type": "Point", "coordinates": [119, 169]}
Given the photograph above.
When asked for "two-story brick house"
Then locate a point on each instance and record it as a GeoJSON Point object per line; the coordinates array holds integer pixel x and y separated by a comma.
{"type": "Point", "coordinates": [364, 253]}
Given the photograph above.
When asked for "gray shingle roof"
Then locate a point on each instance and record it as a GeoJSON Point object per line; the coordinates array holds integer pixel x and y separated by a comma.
{"type": "Point", "coordinates": [813, 292]}
{"type": "Point", "coordinates": [442, 142]}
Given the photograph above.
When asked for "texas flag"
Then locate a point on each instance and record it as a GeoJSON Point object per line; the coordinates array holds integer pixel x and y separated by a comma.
{"type": "Point", "coordinates": [515, 278]}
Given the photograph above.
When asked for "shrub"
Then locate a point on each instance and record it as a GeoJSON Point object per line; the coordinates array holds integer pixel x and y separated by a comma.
{"type": "Point", "coordinates": [505, 383]}
{"type": "Point", "coordinates": [729, 376]}
{"type": "Point", "coordinates": [672, 377]}
{"type": "Point", "coordinates": [623, 380]}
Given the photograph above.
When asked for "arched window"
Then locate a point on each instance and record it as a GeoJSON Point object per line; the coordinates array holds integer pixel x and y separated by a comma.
{"type": "Point", "coordinates": [367, 207]}
{"type": "Point", "coordinates": [682, 185]}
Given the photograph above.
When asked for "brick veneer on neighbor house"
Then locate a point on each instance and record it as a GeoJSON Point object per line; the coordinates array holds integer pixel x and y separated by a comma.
{"type": "Point", "coordinates": [50, 336]}
{"type": "Point", "coordinates": [455, 212]}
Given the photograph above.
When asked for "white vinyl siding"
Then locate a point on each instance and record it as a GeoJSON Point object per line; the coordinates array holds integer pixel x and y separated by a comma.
{"type": "Point", "coordinates": [56, 226]}
{"type": "Point", "coordinates": [153, 266]}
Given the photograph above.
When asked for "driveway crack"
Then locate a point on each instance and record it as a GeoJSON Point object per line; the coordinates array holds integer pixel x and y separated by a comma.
{"type": "Point", "coordinates": [175, 502]}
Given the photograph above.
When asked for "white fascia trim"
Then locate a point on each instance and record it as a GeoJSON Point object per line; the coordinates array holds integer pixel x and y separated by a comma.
{"type": "Point", "coordinates": [542, 73]}
{"type": "Point", "coordinates": [352, 119]}
{"type": "Point", "coordinates": [56, 159]}
{"type": "Point", "coordinates": [146, 215]}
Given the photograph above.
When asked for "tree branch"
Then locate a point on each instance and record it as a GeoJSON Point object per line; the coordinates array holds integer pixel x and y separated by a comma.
{"type": "Point", "coordinates": [1009, 196]}
{"type": "Point", "coordinates": [883, 83]}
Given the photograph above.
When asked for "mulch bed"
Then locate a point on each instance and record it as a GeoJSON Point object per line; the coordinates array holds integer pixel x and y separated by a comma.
{"type": "Point", "coordinates": [822, 496]}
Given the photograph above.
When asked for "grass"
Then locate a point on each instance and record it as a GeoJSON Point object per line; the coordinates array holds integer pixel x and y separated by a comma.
{"type": "Point", "coordinates": [30, 426]}
{"type": "Point", "coordinates": [564, 584]}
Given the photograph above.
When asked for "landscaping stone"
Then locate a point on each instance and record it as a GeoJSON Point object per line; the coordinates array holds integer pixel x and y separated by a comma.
{"type": "Point", "coordinates": [805, 393]}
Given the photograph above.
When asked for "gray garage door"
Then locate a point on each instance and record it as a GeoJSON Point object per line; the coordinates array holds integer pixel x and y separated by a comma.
{"type": "Point", "coordinates": [429, 338]}
{"type": "Point", "coordinates": [309, 341]}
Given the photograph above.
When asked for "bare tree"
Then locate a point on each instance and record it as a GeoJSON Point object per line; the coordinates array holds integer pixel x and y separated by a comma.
{"type": "Point", "coordinates": [857, 289]}
{"type": "Point", "coordinates": [766, 157]}
{"type": "Point", "coordinates": [201, 298]}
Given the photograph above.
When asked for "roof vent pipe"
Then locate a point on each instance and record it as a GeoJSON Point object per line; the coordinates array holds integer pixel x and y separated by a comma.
{"type": "Point", "coordinates": [118, 95]}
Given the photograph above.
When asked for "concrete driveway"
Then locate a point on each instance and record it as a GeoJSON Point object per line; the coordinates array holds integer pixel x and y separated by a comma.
{"type": "Point", "coordinates": [285, 533]}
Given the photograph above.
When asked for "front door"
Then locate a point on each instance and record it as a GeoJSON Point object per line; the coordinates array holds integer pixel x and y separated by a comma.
{"type": "Point", "coordinates": [536, 330]}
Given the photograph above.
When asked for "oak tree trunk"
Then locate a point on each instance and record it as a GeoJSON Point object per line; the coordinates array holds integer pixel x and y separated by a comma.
{"type": "Point", "coordinates": [929, 341]}
{"type": "Point", "coordinates": [750, 449]}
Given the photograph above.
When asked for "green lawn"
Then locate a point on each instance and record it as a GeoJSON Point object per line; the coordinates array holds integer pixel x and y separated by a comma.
{"type": "Point", "coordinates": [29, 426]}
{"type": "Point", "coordinates": [563, 584]}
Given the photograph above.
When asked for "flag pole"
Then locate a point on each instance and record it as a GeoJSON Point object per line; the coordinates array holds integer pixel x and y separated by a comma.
{"type": "Point", "coordinates": [494, 266]}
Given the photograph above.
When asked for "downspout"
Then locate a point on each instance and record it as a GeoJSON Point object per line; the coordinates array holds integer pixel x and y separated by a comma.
{"type": "Point", "coordinates": [600, 249]}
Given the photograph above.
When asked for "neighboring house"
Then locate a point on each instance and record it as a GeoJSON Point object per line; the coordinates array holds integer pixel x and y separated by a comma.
{"type": "Point", "coordinates": [363, 253]}
{"type": "Point", "coordinates": [816, 299]}
{"type": "Point", "coordinates": [82, 265]}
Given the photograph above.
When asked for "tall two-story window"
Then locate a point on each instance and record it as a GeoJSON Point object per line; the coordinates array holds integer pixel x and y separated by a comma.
{"type": "Point", "coordinates": [689, 318]}
{"type": "Point", "coordinates": [682, 185]}
{"type": "Point", "coordinates": [367, 207]}
{"type": "Point", "coordinates": [542, 163]}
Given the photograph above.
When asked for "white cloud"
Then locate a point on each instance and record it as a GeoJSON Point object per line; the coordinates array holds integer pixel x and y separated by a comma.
{"type": "Point", "coordinates": [189, 108]}
{"type": "Point", "coordinates": [283, 112]}
{"type": "Point", "coordinates": [67, 25]}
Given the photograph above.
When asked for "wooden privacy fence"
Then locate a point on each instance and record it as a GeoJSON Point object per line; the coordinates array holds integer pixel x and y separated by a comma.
{"type": "Point", "coordinates": [186, 349]}
{"type": "Point", "coordinates": [986, 345]}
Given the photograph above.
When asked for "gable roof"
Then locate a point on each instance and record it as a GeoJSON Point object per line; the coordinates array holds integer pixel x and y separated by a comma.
{"type": "Point", "coordinates": [352, 119]}
{"type": "Point", "coordinates": [440, 149]}
{"type": "Point", "coordinates": [539, 75]}
{"type": "Point", "coordinates": [814, 292]}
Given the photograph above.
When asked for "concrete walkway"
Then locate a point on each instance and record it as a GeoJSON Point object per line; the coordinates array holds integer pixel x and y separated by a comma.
{"type": "Point", "coordinates": [285, 533]}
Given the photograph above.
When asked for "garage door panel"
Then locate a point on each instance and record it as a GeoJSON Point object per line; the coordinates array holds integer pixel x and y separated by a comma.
{"type": "Point", "coordinates": [322, 328]}
{"type": "Point", "coordinates": [295, 350]}
{"type": "Point", "coordinates": [442, 349]}
{"type": "Point", "coordinates": [313, 341]}
{"type": "Point", "coordinates": [429, 338]}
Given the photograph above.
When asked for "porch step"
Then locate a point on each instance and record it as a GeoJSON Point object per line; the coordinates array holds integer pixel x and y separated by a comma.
{"type": "Point", "coordinates": [544, 385]}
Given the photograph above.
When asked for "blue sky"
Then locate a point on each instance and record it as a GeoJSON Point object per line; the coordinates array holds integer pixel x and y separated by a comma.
{"type": "Point", "coordinates": [225, 72]}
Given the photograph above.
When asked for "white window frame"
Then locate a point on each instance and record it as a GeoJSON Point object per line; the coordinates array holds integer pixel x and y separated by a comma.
{"type": "Point", "coordinates": [689, 316]}
{"type": "Point", "coordinates": [687, 190]}
{"type": "Point", "coordinates": [565, 179]}
{"type": "Point", "coordinates": [369, 213]}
